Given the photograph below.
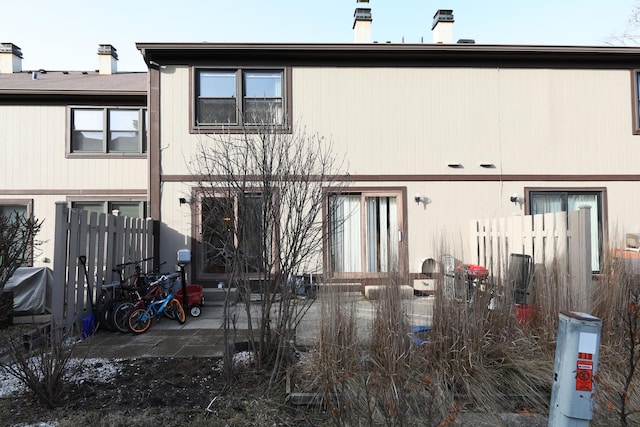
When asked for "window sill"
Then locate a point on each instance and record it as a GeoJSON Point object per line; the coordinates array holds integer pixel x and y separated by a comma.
{"type": "Point", "coordinates": [106, 155]}
{"type": "Point", "coordinates": [228, 129]}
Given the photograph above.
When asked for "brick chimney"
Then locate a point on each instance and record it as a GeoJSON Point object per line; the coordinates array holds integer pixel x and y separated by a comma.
{"type": "Point", "coordinates": [107, 59]}
{"type": "Point", "coordinates": [10, 58]}
{"type": "Point", "coordinates": [362, 22]}
{"type": "Point", "coordinates": [442, 27]}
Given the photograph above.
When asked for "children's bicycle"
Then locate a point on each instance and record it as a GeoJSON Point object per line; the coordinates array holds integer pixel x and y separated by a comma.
{"type": "Point", "coordinates": [140, 318]}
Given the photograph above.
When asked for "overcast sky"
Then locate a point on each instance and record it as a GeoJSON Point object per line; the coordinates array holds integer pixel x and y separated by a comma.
{"type": "Point", "coordinates": [65, 34]}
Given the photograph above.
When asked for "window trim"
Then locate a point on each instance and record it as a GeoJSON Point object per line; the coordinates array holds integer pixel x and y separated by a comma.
{"type": "Point", "coordinates": [143, 135]}
{"type": "Point", "coordinates": [635, 102]}
{"type": "Point", "coordinates": [602, 209]}
{"type": "Point", "coordinates": [401, 194]}
{"type": "Point", "coordinates": [285, 127]}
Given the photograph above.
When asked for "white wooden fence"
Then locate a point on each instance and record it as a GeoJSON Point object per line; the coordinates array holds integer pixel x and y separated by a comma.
{"type": "Point", "coordinates": [105, 241]}
{"type": "Point", "coordinates": [559, 245]}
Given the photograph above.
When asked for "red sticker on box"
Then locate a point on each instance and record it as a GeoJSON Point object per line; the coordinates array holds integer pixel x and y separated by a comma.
{"type": "Point", "coordinates": [584, 375]}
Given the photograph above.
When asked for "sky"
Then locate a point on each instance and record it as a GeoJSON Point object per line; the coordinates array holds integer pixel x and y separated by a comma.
{"type": "Point", "coordinates": [65, 34]}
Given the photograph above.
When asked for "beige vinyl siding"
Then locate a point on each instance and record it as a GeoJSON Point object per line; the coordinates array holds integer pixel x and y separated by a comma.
{"type": "Point", "coordinates": [34, 144]}
{"type": "Point", "coordinates": [36, 136]}
{"type": "Point", "coordinates": [415, 121]}
{"type": "Point", "coordinates": [412, 122]}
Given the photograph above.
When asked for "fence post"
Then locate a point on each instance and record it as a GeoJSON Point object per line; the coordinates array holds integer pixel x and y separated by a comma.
{"type": "Point", "coordinates": [59, 263]}
{"type": "Point", "coordinates": [580, 258]}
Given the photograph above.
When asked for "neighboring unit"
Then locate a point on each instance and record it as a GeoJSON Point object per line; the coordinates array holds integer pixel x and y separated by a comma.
{"type": "Point", "coordinates": [72, 136]}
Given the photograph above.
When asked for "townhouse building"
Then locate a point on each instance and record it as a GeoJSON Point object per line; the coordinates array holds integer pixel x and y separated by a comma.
{"type": "Point", "coordinates": [434, 134]}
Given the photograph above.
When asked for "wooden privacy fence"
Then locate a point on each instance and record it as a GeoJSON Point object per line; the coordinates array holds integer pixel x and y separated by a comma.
{"type": "Point", "coordinates": [559, 245]}
{"type": "Point", "coordinates": [105, 241]}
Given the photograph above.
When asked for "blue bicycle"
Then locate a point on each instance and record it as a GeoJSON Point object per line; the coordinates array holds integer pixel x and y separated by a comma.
{"type": "Point", "coordinates": [140, 317]}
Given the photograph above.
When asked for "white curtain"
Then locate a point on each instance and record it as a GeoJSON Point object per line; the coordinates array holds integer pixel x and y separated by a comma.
{"type": "Point", "coordinates": [346, 239]}
{"type": "Point", "coordinates": [382, 233]}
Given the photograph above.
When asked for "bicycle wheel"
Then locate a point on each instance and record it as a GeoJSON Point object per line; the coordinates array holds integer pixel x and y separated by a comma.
{"type": "Point", "coordinates": [175, 311]}
{"type": "Point", "coordinates": [120, 315]}
{"type": "Point", "coordinates": [104, 315]}
{"type": "Point", "coordinates": [137, 322]}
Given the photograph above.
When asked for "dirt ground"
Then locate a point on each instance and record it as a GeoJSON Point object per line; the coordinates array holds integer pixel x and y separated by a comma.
{"type": "Point", "coordinates": [168, 392]}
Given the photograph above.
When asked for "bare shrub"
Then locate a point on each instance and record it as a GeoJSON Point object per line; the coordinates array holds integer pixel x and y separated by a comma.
{"type": "Point", "coordinates": [373, 374]}
{"type": "Point", "coordinates": [261, 194]}
{"type": "Point", "coordinates": [617, 303]}
{"type": "Point", "coordinates": [42, 363]}
{"type": "Point", "coordinates": [486, 357]}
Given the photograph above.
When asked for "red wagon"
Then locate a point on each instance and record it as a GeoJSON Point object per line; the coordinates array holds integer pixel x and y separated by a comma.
{"type": "Point", "coordinates": [195, 299]}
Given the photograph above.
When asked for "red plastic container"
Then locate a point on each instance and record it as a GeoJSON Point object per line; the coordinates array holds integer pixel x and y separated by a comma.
{"type": "Point", "coordinates": [194, 298]}
{"type": "Point", "coordinates": [474, 271]}
{"type": "Point", "coordinates": [524, 313]}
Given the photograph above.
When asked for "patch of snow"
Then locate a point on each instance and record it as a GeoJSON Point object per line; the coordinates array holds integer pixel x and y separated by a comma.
{"type": "Point", "coordinates": [101, 370]}
{"type": "Point", "coordinates": [243, 360]}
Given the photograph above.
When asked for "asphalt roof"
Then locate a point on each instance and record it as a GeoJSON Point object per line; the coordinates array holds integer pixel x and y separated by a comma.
{"type": "Point", "coordinates": [76, 82]}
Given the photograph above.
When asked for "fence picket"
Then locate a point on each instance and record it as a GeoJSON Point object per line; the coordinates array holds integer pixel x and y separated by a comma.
{"type": "Point", "coordinates": [558, 243]}
{"type": "Point", "coordinates": [106, 240]}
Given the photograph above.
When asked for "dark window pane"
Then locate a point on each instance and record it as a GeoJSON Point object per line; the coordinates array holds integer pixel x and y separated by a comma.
{"type": "Point", "coordinates": [130, 209]}
{"type": "Point", "coordinates": [217, 234]}
{"type": "Point", "coordinates": [10, 211]}
{"type": "Point", "coordinates": [250, 233]}
{"type": "Point", "coordinates": [267, 111]}
{"type": "Point", "coordinates": [216, 111]}
{"type": "Point", "coordinates": [97, 207]}
{"type": "Point", "coordinates": [87, 141]}
{"type": "Point", "coordinates": [123, 142]}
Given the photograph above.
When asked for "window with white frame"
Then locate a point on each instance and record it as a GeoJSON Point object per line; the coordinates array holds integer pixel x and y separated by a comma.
{"type": "Point", "coordinates": [239, 97]}
{"type": "Point", "coordinates": [108, 130]}
{"type": "Point", "coordinates": [133, 209]}
{"type": "Point", "coordinates": [364, 233]}
{"type": "Point", "coordinates": [550, 201]}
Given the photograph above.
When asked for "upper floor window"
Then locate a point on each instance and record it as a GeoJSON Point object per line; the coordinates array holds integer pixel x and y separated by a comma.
{"type": "Point", "coordinates": [108, 130]}
{"type": "Point", "coordinates": [239, 97]}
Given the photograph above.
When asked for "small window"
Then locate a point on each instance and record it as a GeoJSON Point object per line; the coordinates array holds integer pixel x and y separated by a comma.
{"type": "Point", "coordinates": [108, 130]}
{"type": "Point", "coordinates": [239, 97]}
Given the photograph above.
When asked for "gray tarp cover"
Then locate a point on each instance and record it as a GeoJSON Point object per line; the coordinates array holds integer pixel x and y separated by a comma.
{"type": "Point", "coordinates": [31, 288]}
